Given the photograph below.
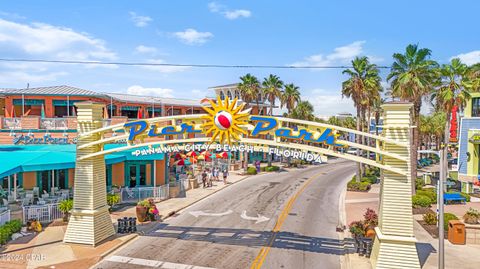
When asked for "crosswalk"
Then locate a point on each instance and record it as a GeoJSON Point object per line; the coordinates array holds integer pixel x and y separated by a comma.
{"type": "Point", "coordinates": [152, 263]}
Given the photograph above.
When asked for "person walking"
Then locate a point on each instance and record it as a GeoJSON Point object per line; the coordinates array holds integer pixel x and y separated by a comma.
{"type": "Point", "coordinates": [204, 178]}
{"type": "Point", "coordinates": [210, 178]}
{"type": "Point", "coordinates": [225, 175]}
{"type": "Point", "coordinates": [217, 174]}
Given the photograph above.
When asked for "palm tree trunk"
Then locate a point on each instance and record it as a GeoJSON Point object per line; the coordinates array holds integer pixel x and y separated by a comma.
{"type": "Point", "coordinates": [358, 141]}
{"type": "Point", "coordinates": [269, 156]}
{"type": "Point", "coordinates": [414, 143]}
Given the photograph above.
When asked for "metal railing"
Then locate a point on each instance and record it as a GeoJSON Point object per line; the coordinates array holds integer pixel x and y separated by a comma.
{"type": "Point", "coordinates": [12, 123]}
{"type": "Point", "coordinates": [4, 217]}
{"type": "Point", "coordinates": [131, 195]}
{"type": "Point", "coordinates": [54, 124]}
{"type": "Point", "coordinates": [43, 213]}
{"type": "Point", "coordinates": [106, 123]}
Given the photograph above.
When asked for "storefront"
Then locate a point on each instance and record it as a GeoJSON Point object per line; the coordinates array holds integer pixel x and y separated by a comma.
{"type": "Point", "coordinates": [53, 166]}
{"type": "Point", "coordinates": [469, 145]}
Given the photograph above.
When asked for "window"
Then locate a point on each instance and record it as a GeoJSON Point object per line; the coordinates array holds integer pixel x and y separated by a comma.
{"type": "Point", "coordinates": [237, 94]}
{"type": "Point", "coordinates": [229, 94]}
{"type": "Point", "coordinates": [222, 95]}
{"type": "Point", "coordinates": [476, 107]}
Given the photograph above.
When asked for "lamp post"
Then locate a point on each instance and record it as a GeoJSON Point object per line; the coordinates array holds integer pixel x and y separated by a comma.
{"type": "Point", "coordinates": [441, 233]}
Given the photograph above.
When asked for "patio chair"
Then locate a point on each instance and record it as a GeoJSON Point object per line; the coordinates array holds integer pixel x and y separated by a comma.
{"type": "Point", "coordinates": [35, 191]}
{"type": "Point", "coordinates": [41, 201]}
{"type": "Point", "coordinates": [130, 193]}
{"type": "Point", "coordinates": [45, 195]}
{"type": "Point", "coordinates": [29, 196]}
{"type": "Point", "coordinates": [5, 202]}
{"type": "Point", "coordinates": [25, 202]}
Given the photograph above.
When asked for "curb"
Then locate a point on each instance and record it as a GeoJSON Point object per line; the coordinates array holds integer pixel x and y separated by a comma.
{"type": "Point", "coordinates": [106, 253]}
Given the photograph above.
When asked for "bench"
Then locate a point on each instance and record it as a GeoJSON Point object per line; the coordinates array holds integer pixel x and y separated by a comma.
{"type": "Point", "coordinates": [453, 197]}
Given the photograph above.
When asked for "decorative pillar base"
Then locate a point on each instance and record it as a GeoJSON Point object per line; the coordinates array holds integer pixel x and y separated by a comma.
{"type": "Point", "coordinates": [391, 252]}
{"type": "Point", "coordinates": [89, 227]}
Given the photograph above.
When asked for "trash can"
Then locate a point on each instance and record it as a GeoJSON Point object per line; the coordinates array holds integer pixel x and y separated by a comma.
{"type": "Point", "coordinates": [456, 232]}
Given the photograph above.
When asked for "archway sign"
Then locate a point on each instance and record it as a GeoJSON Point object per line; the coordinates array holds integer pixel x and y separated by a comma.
{"type": "Point", "coordinates": [227, 126]}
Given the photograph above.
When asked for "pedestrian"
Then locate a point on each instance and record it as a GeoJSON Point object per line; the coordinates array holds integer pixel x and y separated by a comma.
{"type": "Point", "coordinates": [204, 178]}
{"type": "Point", "coordinates": [210, 178]}
{"type": "Point", "coordinates": [225, 175]}
{"type": "Point", "coordinates": [217, 174]}
{"type": "Point", "coordinates": [257, 165]}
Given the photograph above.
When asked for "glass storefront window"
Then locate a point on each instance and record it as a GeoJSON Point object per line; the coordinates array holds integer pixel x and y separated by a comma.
{"type": "Point", "coordinates": [476, 107]}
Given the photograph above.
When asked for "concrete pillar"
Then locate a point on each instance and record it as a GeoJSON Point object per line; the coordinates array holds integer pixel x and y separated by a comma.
{"type": "Point", "coordinates": [90, 221]}
{"type": "Point", "coordinates": [394, 244]}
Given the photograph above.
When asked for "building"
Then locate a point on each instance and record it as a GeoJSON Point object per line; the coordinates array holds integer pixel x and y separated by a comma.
{"type": "Point", "coordinates": [38, 130]}
{"type": "Point", "coordinates": [469, 144]}
{"type": "Point", "coordinates": [259, 106]}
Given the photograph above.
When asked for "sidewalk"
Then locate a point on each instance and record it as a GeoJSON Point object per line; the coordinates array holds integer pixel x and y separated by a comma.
{"type": "Point", "coordinates": [456, 256]}
{"type": "Point", "coordinates": [46, 249]}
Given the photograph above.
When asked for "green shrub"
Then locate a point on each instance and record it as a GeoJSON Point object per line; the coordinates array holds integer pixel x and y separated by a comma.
{"type": "Point", "coordinates": [358, 186]}
{"type": "Point", "coordinates": [430, 193]}
{"type": "Point", "coordinates": [272, 168]}
{"type": "Point", "coordinates": [446, 218]}
{"type": "Point", "coordinates": [251, 171]}
{"type": "Point", "coordinates": [370, 179]}
{"type": "Point", "coordinates": [430, 218]}
{"type": "Point", "coordinates": [65, 206]}
{"type": "Point", "coordinates": [419, 183]}
{"type": "Point", "coordinates": [9, 228]}
{"type": "Point", "coordinates": [420, 201]}
{"type": "Point", "coordinates": [113, 199]}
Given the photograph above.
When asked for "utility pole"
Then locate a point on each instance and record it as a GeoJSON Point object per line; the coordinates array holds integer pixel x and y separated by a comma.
{"type": "Point", "coordinates": [441, 232]}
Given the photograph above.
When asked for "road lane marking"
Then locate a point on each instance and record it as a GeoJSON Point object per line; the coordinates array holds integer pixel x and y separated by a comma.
{"type": "Point", "coordinates": [258, 262]}
{"type": "Point", "coordinates": [153, 263]}
{"type": "Point", "coordinates": [196, 214]}
{"type": "Point", "coordinates": [258, 219]}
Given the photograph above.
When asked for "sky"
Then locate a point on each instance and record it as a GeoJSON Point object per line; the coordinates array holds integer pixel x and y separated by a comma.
{"type": "Point", "coordinates": [224, 32]}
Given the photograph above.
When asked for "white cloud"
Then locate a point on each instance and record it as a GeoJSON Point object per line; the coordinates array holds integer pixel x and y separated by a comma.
{"type": "Point", "coordinates": [198, 93]}
{"type": "Point", "coordinates": [192, 37]}
{"type": "Point", "coordinates": [29, 77]}
{"type": "Point", "coordinates": [227, 13]}
{"type": "Point", "coordinates": [329, 103]}
{"type": "Point", "coordinates": [48, 41]}
{"type": "Point", "coordinates": [469, 58]}
{"type": "Point", "coordinates": [164, 68]}
{"type": "Point", "coordinates": [341, 54]}
{"type": "Point", "coordinates": [140, 21]}
{"type": "Point", "coordinates": [145, 49]}
{"type": "Point", "coordinates": [160, 92]}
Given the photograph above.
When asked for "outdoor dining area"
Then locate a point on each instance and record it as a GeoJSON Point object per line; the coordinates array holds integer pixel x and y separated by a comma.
{"type": "Point", "coordinates": [193, 162]}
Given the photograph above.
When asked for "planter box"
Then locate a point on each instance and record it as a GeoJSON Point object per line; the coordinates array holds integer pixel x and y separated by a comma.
{"type": "Point", "coordinates": [193, 183]}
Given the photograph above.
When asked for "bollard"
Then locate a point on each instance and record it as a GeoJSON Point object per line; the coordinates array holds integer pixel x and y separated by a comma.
{"type": "Point", "coordinates": [134, 225]}
{"type": "Point", "coordinates": [121, 226]}
{"type": "Point", "coordinates": [127, 224]}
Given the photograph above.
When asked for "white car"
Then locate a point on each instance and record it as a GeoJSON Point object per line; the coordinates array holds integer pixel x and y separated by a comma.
{"type": "Point", "coordinates": [352, 151]}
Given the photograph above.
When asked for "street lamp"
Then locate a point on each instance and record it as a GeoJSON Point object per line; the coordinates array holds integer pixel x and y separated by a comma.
{"type": "Point", "coordinates": [441, 233]}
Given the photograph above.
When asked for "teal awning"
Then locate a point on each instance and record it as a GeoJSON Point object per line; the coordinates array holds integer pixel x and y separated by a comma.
{"type": "Point", "coordinates": [64, 102]}
{"type": "Point", "coordinates": [129, 108]}
{"type": "Point", "coordinates": [15, 159]}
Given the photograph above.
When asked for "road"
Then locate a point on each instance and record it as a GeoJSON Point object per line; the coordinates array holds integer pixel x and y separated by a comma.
{"type": "Point", "coordinates": [274, 220]}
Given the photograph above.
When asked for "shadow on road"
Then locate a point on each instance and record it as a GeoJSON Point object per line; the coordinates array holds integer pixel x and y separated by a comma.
{"type": "Point", "coordinates": [251, 238]}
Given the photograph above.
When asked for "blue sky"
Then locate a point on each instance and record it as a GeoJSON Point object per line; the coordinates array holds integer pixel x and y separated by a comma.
{"type": "Point", "coordinates": [223, 32]}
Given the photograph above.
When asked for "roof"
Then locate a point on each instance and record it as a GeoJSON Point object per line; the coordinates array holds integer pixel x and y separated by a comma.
{"type": "Point", "coordinates": [122, 97]}
{"type": "Point", "coordinates": [51, 90]}
{"type": "Point", "coordinates": [28, 158]}
{"type": "Point", "coordinates": [225, 86]}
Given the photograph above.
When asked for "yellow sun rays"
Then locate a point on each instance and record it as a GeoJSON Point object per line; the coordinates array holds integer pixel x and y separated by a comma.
{"type": "Point", "coordinates": [239, 118]}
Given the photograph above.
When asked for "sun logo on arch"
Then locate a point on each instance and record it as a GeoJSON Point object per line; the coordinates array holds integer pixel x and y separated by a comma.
{"type": "Point", "coordinates": [225, 120]}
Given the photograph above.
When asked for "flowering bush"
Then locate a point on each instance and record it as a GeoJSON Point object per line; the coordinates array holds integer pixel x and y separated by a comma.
{"type": "Point", "coordinates": [371, 218]}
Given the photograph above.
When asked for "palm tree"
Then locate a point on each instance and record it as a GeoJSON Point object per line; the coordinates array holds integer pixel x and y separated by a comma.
{"type": "Point", "coordinates": [363, 80]}
{"type": "Point", "coordinates": [413, 76]}
{"type": "Point", "coordinates": [271, 89]}
{"type": "Point", "coordinates": [454, 90]}
{"type": "Point", "coordinates": [249, 88]}
{"type": "Point", "coordinates": [290, 97]}
{"type": "Point", "coordinates": [303, 111]}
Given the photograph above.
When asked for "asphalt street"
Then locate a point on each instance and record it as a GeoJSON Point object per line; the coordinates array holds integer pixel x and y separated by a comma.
{"type": "Point", "coordinates": [275, 220]}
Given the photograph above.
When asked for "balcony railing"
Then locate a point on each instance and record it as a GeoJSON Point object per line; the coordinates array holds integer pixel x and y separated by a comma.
{"type": "Point", "coordinates": [54, 124]}
{"type": "Point", "coordinates": [106, 122]}
{"type": "Point", "coordinates": [12, 123]}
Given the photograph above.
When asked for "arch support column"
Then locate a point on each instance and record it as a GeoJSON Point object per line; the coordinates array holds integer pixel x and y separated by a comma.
{"type": "Point", "coordinates": [90, 221]}
{"type": "Point", "coordinates": [394, 244]}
